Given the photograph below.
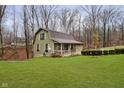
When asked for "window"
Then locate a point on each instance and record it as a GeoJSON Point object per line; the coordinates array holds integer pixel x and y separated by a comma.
{"type": "Point", "coordinates": [73, 47]}
{"type": "Point", "coordinates": [57, 46]}
{"type": "Point", "coordinates": [42, 36]}
{"type": "Point", "coordinates": [38, 47]}
{"type": "Point", "coordinates": [46, 47]}
{"type": "Point", "coordinates": [65, 46]}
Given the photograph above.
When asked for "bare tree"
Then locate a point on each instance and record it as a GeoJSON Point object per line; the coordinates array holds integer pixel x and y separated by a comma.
{"type": "Point", "coordinates": [36, 13]}
{"type": "Point", "coordinates": [79, 29]}
{"type": "Point", "coordinates": [87, 33]}
{"type": "Point", "coordinates": [31, 16]}
{"type": "Point", "coordinates": [26, 30]}
{"type": "Point", "coordinates": [15, 30]}
{"type": "Point", "coordinates": [66, 17]}
{"type": "Point", "coordinates": [121, 27]}
{"type": "Point", "coordinates": [2, 13]}
{"type": "Point", "coordinates": [15, 27]}
{"type": "Point", "coordinates": [54, 22]}
{"type": "Point", "coordinates": [93, 13]}
{"type": "Point", "coordinates": [46, 11]}
{"type": "Point", "coordinates": [107, 16]}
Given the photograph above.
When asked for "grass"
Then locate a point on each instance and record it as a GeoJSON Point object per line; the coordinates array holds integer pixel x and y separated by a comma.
{"type": "Point", "coordinates": [79, 72]}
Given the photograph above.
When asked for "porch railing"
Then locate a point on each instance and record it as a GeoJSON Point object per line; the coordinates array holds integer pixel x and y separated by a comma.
{"type": "Point", "coordinates": [62, 52]}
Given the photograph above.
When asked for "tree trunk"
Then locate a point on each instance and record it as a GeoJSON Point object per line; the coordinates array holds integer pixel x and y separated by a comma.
{"type": "Point", "coordinates": [108, 37]}
{"type": "Point", "coordinates": [1, 41]}
{"type": "Point", "coordinates": [104, 35]}
{"type": "Point", "coordinates": [26, 31]}
{"type": "Point", "coordinates": [26, 42]}
{"type": "Point", "coordinates": [122, 34]}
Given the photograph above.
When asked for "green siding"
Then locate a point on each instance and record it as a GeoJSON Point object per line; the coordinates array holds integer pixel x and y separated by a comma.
{"type": "Point", "coordinates": [79, 49]}
{"type": "Point", "coordinates": [48, 40]}
{"type": "Point", "coordinates": [42, 43]}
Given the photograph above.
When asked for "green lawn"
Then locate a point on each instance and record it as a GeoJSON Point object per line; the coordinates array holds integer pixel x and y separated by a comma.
{"type": "Point", "coordinates": [80, 72]}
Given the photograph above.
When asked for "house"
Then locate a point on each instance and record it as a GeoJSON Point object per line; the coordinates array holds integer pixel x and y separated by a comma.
{"type": "Point", "coordinates": [48, 42]}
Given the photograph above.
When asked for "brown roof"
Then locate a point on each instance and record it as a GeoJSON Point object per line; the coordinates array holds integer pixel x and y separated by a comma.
{"type": "Point", "coordinates": [60, 37]}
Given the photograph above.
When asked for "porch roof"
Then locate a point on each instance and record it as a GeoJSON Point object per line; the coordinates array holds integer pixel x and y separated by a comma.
{"type": "Point", "coordinates": [67, 41]}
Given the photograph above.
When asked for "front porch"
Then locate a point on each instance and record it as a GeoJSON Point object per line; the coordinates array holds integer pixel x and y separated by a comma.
{"type": "Point", "coordinates": [64, 49]}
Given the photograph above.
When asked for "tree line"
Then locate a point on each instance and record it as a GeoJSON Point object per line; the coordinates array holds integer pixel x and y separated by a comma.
{"type": "Point", "coordinates": [95, 25]}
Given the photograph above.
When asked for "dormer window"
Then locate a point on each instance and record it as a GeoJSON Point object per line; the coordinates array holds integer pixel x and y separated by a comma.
{"type": "Point", "coordinates": [42, 36]}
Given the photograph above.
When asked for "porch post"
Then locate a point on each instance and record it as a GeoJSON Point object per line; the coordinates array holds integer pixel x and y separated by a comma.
{"type": "Point", "coordinates": [69, 48]}
{"type": "Point", "coordinates": [61, 49]}
{"type": "Point", "coordinates": [53, 48]}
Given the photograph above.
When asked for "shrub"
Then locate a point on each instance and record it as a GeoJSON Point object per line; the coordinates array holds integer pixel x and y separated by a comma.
{"type": "Point", "coordinates": [105, 52]}
{"type": "Point", "coordinates": [98, 52]}
{"type": "Point", "coordinates": [119, 51]}
{"type": "Point", "coordinates": [111, 52]}
{"type": "Point", "coordinates": [92, 52]}
{"type": "Point", "coordinates": [122, 51]}
{"type": "Point", "coordinates": [102, 52]}
{"type": "Point", "coordinates": [84, 52]}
